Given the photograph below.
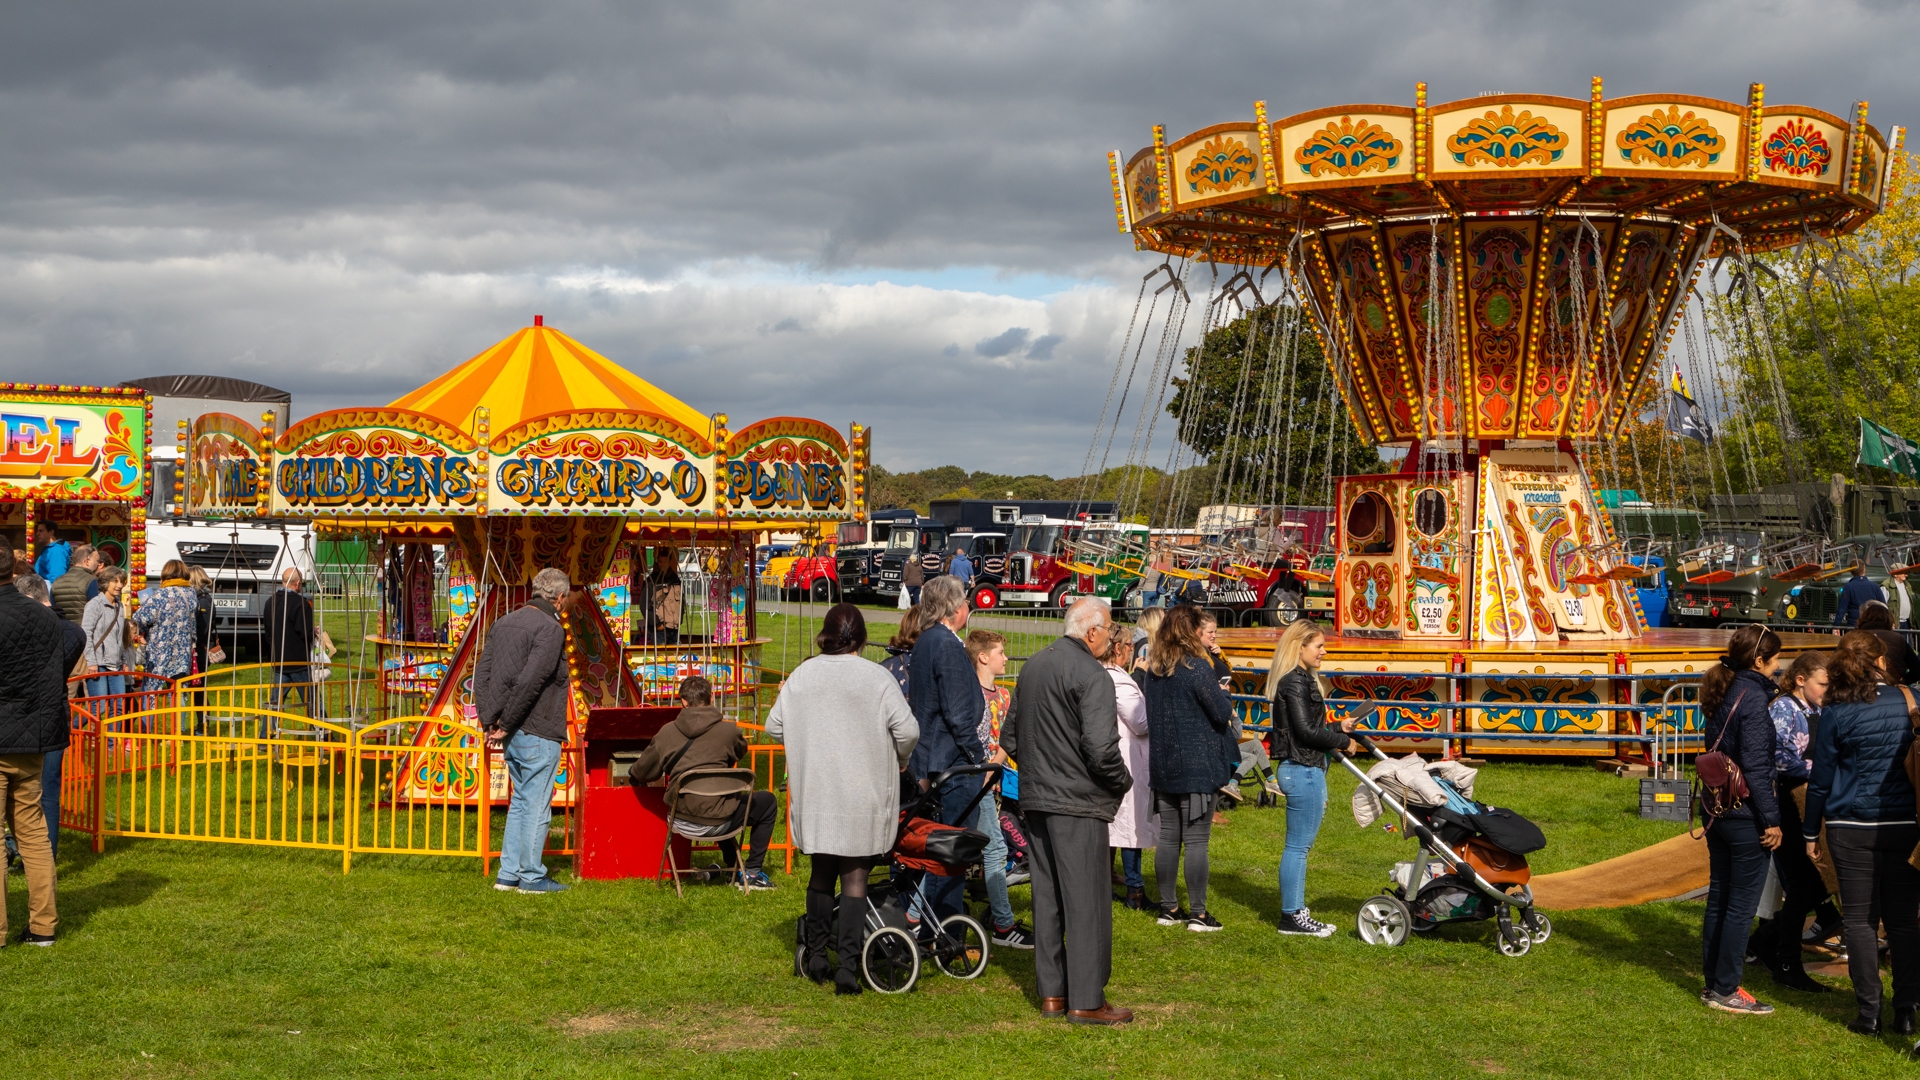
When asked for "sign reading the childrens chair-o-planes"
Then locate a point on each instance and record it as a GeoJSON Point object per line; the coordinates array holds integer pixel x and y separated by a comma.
{"type": "Point", "coordinates": [72, 443]}
{"type": "Point", "coordinates": [601, 462]}
{"type": "Point", "coordinates": [356, 462]}
{"type": "Point", "coordinates": [787, 467]}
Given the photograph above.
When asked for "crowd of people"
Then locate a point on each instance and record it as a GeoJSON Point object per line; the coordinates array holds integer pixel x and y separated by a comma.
{"type": "Point", "coordinates": [1816, 781]}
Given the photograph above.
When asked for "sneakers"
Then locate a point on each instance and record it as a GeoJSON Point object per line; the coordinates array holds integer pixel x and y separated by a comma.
{"type": "Point", "coordinates": [28, 937]}
{"type": "Point", "coordinates": [1302, 923]}
{"type": "Point", "coordinates": [503, 885]}
{"type": "Point", "coordinates": [544, 885]}
{"type": "Point", "coordinates": [1013, 937]}
{"type": "Point", "coordinates": [1202, 923]}
{"type": "Point", "coordinates": [1739, 1002]}
{"type": "Point", "coordinates": [1173, 916]}
{"type": "Point", "coordinates": [1230, 794]}
{"type": "Point", "coordinates": [1018, 874]}
{"type": "Point", "coordinates": [756, 881]}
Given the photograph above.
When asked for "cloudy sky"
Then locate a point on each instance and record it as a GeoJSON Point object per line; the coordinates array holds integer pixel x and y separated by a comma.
{"type": "Point", "coordinates": [895, 213]}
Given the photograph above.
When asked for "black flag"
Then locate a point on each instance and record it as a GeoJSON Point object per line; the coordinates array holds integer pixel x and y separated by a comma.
{"type": "Point", "coordinates": [1684, 418]}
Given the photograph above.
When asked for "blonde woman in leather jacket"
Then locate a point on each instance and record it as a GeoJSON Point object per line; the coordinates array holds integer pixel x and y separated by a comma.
{"type": "Point", "coordinates": [1302, 737]}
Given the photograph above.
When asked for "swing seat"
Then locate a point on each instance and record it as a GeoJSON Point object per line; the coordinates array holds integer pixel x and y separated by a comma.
{"type": "Point", "coordinates": [1438, 576]}
{"type": "Point", "coordinates": [1628, 573]}
{"type": "Point", "coordinates": [1713, 578]}
{"type": "Point", "coordinates": [1799, 573]}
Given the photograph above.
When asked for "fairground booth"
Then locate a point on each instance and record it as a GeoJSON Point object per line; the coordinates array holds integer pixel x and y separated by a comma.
{"type": "Point", "coordinates": [538, 452]}
{"type": "Point", "coordinates": [1491, 281]}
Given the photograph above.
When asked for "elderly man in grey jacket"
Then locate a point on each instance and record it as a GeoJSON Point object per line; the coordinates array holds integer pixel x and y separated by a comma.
{"type": "Point", "coordinates": [520, 685]}
{"type": "Point", "coordinates": [1065, 734]}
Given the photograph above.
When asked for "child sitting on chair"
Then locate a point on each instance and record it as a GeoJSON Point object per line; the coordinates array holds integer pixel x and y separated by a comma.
{"type": "Point", "coordinates": [700, 737]}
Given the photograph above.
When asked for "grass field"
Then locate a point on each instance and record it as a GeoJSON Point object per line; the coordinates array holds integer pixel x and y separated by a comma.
{"type": "Point", "coordinates": [211, 960]}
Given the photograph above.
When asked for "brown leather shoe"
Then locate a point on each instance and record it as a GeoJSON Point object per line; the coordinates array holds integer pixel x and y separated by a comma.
{"type": "Point", "coordinates": [1106, 1015]}
{"type": "Point", "coordinates": [1053, 1008]}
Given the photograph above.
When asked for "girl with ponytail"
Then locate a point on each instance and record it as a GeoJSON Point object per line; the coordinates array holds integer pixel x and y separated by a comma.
{"type": "Point", "coordinates": [1734, 697]}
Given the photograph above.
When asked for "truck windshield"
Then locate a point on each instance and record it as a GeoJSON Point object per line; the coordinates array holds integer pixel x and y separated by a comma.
{"type": "Point", "coordinates": [1041, 539]}
{"type": "Point", "coordinates": [903, 539]}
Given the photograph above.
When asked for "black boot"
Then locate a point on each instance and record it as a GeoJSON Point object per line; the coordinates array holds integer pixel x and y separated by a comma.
{"type": "Point", "coordinates": [1136, 899]}
{"type": "Point", "coordinates": [1903, 1020]}
{"type": "Point", "coordinates": [816, 935]}
{"type": "Point", "coordinates": [853, 935]}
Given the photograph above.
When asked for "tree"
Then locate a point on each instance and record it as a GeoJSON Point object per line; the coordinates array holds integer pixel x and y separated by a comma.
{"type": "Point", "coordinates": [1260, 404]}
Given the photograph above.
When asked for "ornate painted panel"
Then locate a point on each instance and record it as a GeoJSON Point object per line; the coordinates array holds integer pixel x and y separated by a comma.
{"type": "Point", "coordinates": [1363, 301]}
{"type": "Point", "coordinates": [223, 477]}
{"type": "Point", "coordinates": [1506, 134]}
{"type": "Point", "coordinates": [1408, 679]}
{"type": "Point", "coordinates": [1370, 581]}
{"type": "Point", "coordinates": [1142, 181]}
{"type": "Point", "coordinates": [1439, 555]}
{"type": "Point", "coordinates": [1545, 700]}
{"type": "Point", "coordinates": [787, 467]}
{"type": "Point", "coordinates": [1801, 147]}
{"type": "Point", "coordinates": [610, 462]}
{"type": "Point", "coordinates": [1555, 545]}
{"type": "Point", "coordinates": [70, 442]}
{"type": "Point", "coordinates": [1351, 146]}
{"type": "Point", "coordinates": [1496, 272]}
{"type": "Point", "coordinates": [1564, 309]}
{"type": "Point", "coordinates": [1676, 136]}
{"type": "Point", "coordinates": [1216, 164]}
{"type": "Point", "coordinates": [1422, 260]}
{"type": "Point", "coordinates": [355, 462]}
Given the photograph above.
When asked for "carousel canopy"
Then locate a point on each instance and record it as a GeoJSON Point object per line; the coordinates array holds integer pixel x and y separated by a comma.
{"type": "Point", "coordinates": [537, 371]}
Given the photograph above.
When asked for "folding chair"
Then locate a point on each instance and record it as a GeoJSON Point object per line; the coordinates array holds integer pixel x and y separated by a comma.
{"type": "Point", "coordinates": [734, 785]}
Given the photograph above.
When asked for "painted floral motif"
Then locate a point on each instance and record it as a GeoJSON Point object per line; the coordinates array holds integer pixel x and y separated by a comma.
{"type": "Point", "coordinates": [1508, 141]}
{"type": "Point", "coordinates": [1670, 140]}
{"type": "Point", "coordinates": [1522, 552]}
{"type": "Point", "coordinates": [1372, 323]}
{"type": "Point", "coordinates": [1798, 149]}
{"type": "Point", "coordinates": [1568, 323]}
{"type": "Point", "coordinates": [1415, 254]}
{"type": "Point", "coordinates": [1371, 591]}
{"type": "Point", "coordinates": [1558, 552]}
{"type": "Point", "coordinates": [1145, 190]}
{"type": "Point", "coordinates": [1349, 148]}
{"type": "Point", "coordinates": [1223, 164]}
{"type": "Point", "coordinates": [1544, 691]}
{"type": "Point", "coordinates": [1496, 285]}
{"type": "Point", "coordinates": [1387, 686]}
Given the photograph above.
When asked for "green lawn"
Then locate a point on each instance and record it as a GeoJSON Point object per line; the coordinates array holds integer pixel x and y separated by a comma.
{"type": "Point", "coordinates": [212, 960]}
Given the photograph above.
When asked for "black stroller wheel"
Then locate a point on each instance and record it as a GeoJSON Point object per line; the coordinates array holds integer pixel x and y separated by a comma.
{"type": "Point", "coordinates": [1537, 926]}
{"type": "Point", "coordinates": [1512, 940]}
{"type": "Point", "coordinates": [961, 950]}
{"type": "Point", "coordinates": [890, 960]}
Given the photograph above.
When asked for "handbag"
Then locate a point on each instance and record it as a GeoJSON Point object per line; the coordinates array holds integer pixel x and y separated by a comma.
{"type": "Point", "coordinates": [945, 850]}
{"type": "Point", "coordinates": [1719, 786]}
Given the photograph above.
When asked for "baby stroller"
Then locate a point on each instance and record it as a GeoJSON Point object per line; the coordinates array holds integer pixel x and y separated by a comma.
{"type": "Point", "coordinates": [1472, 865]}
{"type": "Point", "coordinates": [890, 958]}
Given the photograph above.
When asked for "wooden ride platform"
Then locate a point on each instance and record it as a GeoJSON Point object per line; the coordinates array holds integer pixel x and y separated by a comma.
{"type": "Point", "coordinates": [1521, 699]}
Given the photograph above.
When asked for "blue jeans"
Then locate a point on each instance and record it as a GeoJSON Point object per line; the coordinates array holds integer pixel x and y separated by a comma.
{"type": "Point", "coordinates": [994, 864]}
{"type": "Point", "coordinates": [1306, 790]}
{"type": "Point", "coordinates": [1130, 868]}
{"type": "Point", "coordinates": [946, 895]}
{"type": "Point", "coordinates": [50, 798]}
{"type": "Point", "coordinates": [531, 761]}
{"type": "Point", "coordinates": [108, 684]}
{"type": "Point", "coordinates": [1737, 865]}
{"type": "Point", "coordinates": [288, 679]}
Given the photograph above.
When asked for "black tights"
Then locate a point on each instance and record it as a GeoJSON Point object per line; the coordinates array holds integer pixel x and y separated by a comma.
{"type": "Point", "coordinates": [822, 925]}
{"type": "Point", "coordinates": [852, 870]}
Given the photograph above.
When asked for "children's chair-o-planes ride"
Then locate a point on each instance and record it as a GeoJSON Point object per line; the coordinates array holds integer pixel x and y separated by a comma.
{"type": "Point", "coordinates": [1489, 282]}
{"type": "Point", "coordinates": [536, 453]}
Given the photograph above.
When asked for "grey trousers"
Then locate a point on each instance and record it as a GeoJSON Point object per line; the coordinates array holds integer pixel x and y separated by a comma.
{"type": "Point", "coordinates": [1071, 888]}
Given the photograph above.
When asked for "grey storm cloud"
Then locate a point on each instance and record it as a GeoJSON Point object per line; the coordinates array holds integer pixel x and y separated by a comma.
{"type": "Point", "coordinates": [346, 198]}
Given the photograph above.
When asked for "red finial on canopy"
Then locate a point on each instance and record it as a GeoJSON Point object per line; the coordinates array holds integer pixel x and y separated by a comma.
{"type": "Point", "coordinates": [539, 320]}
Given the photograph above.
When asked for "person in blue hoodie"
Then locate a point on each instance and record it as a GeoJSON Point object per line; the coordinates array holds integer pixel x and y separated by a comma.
{"type": "Point", "coordinates": [1859, 790]}
{"type": "Point", "coordinates": [1858, 590]}
{"type": "Point", "coordinates": [1734, 696]}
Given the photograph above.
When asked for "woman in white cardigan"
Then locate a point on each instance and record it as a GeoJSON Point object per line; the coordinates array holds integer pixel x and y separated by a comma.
{"type": "Point", "coordinates": [1135, 825]}
{"type": "Point", "coordinates": [848, 733]}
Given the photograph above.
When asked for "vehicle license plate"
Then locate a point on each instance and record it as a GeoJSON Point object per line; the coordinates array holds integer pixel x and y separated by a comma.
{"type": "Point", "coordinates": [890, 575]}
{"type": "Point", "coordinates": [1693, 611]}
{"type": "Point", "coordinates": [230, 603]}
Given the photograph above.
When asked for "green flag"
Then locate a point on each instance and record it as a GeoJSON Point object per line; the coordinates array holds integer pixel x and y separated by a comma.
{"type": "Point", "coordinates": [1882, 449]}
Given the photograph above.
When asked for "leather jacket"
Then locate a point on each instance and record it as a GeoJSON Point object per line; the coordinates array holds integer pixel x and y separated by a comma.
{"type": "Point", "coordinates": [1301, 731]}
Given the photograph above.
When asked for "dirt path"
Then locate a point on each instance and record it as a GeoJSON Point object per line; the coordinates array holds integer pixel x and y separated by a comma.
{"type": "Point", "coordinates": [1663, 871]}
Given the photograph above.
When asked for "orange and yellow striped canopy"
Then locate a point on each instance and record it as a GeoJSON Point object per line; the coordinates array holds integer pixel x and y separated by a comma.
{"type": "Point", "coordinates": [536, 371]}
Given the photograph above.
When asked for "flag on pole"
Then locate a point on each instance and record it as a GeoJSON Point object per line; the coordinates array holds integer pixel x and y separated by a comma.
{"type": "Point", "coordinates": [1680, 384]}
{"type": "Point", "coordinates": [1684, 418]}
{"type": "Point", "coordinates": [1882, 449]}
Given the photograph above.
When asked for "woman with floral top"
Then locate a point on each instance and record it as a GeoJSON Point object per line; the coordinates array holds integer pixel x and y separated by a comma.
{"type": "Point", "coordinates": [166, 616]}
{"type": "Point", "coordinates": [1794, 714]}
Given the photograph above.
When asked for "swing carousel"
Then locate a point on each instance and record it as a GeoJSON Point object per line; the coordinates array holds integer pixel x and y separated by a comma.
{"type": "Point", "coordinates": [1490, 282]}
{"type": "Point", "coordinates": [538, 453]}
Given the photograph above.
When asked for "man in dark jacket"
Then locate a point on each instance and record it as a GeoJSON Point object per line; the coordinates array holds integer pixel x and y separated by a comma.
{"type": "Point", "coordinates": [288, 617]}
{"type": "Point", "coordinates": [1065, 733]}
{"type": "Point", "coordinates": [1858, 590]}
{"type": "Point", "coordinates": [73, 646]}
{"type": "Point", "coordinates": [701, 737]}
{"type": "Point", "coordinates": [73, 589]}
{"type": "Point", "coordinates": [945, 695]}
{"type": "Point", "coordinates": [33, 722]}
{"type": "Point", "coordinates": [520, 686]}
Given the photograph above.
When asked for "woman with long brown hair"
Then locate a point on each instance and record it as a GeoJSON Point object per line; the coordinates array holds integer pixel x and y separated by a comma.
{"type": "Point", "coordinates": [1734, 696]}
{"type": "Point", "coordinates": [1191, 753]}
{"type": "Point", "coordinates": [1859, 790]}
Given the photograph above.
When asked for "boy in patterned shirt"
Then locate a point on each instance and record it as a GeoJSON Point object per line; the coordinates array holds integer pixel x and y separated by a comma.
{"type": "Point", "coordinates": [988, 651]}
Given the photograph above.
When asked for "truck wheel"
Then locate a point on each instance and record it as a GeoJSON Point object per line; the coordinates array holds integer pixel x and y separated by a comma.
{"type": "Point", "coordinates": [822, 590]}
{"type": "Point", "coordinates": [1060, 595]}
{"type": "Point", "coordinates": [985, 598]}
{"type": "Point", "coordinates": [1280, 609]}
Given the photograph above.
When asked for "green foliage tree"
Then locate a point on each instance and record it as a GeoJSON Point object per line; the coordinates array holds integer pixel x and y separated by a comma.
{"type": "Point", "coordinates": [1260, 404]}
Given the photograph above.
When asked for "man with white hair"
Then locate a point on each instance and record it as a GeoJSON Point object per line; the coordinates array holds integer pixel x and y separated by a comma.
{"type": "Point", "coordinates": [1064, 731]}
{"type": "Point", "coordinates": [288, 622]}
{"type": "Point", "coordinates": [520, 686]}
